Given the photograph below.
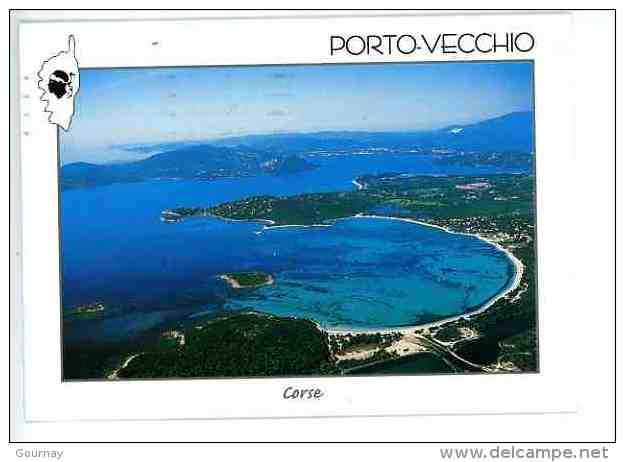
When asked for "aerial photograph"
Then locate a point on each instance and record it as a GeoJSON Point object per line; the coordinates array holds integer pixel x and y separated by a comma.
{"type": "Point", "coordinates": [299, 220]}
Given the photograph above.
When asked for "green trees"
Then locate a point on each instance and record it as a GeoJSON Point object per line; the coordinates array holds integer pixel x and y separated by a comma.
{"type": "Point", "coordinates": [242, 345]}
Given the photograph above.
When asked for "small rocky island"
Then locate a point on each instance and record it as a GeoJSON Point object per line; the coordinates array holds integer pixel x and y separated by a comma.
{"type": "Point", "coordinates": [169, 216]}
{"type": "Point", "coordinates": [86, 309]}
{"type": "Point", "coordinates": [248, 280]}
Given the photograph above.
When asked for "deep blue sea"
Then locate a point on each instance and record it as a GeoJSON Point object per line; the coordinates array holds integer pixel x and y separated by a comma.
{"type": "Point", "coordinates": [358, 272]}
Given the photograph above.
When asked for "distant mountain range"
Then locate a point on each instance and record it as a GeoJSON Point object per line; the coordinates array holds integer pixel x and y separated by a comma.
{"type": "Point", "coordinates": [281, 154]}
{"type": "Point", "coordinates": [510, 132]}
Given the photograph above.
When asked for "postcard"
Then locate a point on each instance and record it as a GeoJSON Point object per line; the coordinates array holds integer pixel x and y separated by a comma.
{"type": "Point", "coordinates": [312, 223]}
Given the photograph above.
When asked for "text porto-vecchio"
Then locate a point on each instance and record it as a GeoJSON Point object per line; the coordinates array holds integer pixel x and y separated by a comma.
{"type": "Point", "coordinates": [445, 43]}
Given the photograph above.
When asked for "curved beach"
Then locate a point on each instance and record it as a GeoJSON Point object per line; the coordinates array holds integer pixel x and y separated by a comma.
{"type": "Point", "coordinates": [514, 283]}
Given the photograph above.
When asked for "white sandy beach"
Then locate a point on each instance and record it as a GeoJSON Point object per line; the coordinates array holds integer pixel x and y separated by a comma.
{"type": "Point", "coordinates": [114, 375]}
{"type": "Point", "coordinates": [272, 227]}
{"type": "Point", "coordinates": [518, 265]}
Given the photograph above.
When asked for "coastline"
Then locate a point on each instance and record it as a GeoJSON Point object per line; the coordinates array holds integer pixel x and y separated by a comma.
{"type": "Point", "coordinates": [359, 186]}
{"type": "Point", "coordinates": [272, 227]}
{"type": "Point", "coordinates": [242, 220]}
{"type": "Point", "coordinates": [114, 375]}
{"type": "Point", "coordinates": [513, 285]}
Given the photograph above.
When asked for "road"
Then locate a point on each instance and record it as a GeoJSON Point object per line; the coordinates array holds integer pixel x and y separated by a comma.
{"type": "Point", "coordinates": [449, 354]}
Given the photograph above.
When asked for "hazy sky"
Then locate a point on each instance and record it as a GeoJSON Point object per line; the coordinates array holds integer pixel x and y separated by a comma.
{"type": "Point", "coordinates": [155, 105]}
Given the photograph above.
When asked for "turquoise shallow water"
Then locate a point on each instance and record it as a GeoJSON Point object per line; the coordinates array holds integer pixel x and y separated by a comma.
{"type": "Point", "coordinates": [372, 273]}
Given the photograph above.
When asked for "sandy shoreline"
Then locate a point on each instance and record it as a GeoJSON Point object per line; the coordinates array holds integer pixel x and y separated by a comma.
{"type": "Point", "coordinates": [115, 374]}
{"type": "Point", "coordinates": [242, 220]}
{"type": "Point", "coordinates": [267, 224]}
{"type": "Point", "coordinates": [272, 227]}
{"type": "Point", "coordinates": [514, 284]}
